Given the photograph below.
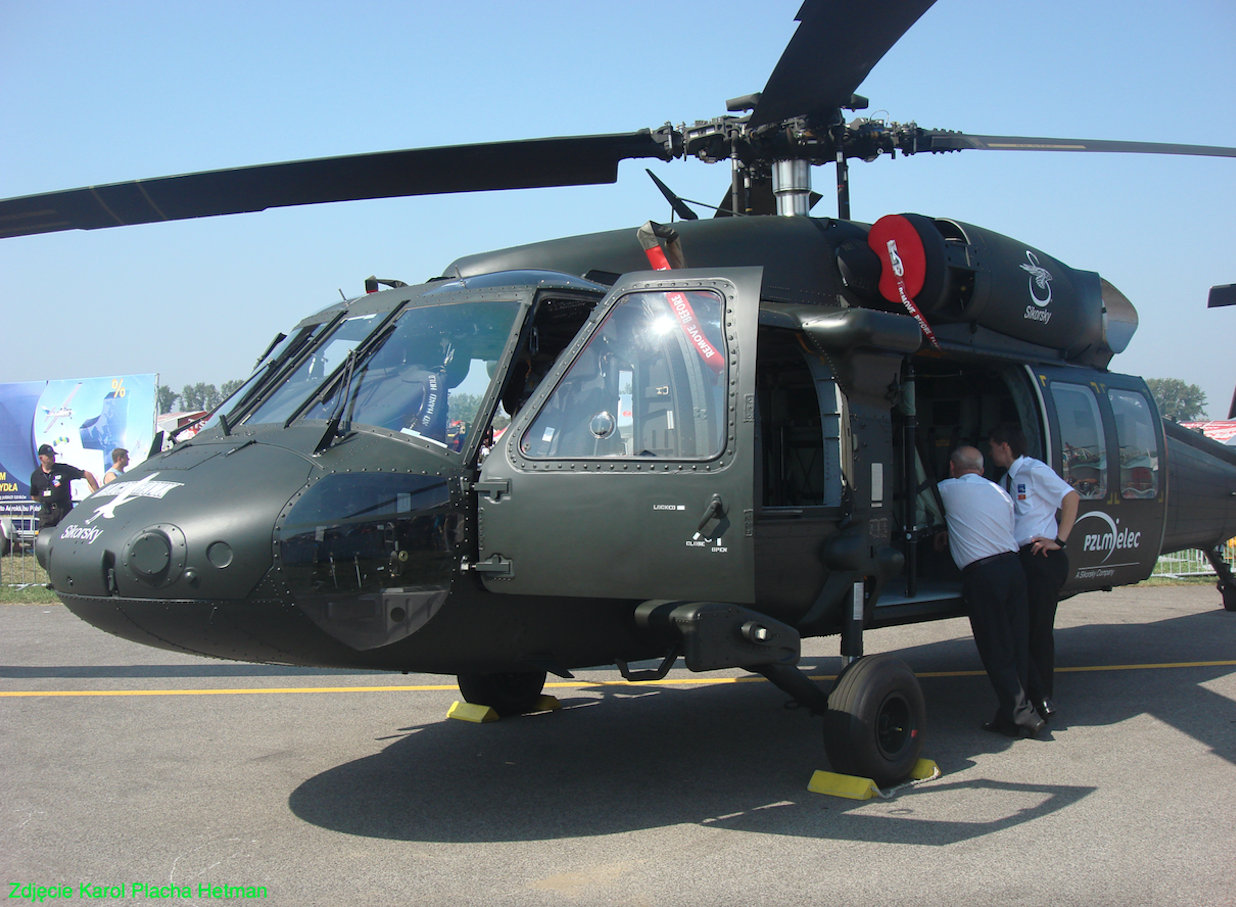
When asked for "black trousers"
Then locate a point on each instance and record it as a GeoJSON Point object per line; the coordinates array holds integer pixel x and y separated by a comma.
{"type": "Point", "coordinates": [995, 594]}
{"type": "Point", "coordinates": [1044, 577]}
{"type": "Point", "coordinates": [50, 516]}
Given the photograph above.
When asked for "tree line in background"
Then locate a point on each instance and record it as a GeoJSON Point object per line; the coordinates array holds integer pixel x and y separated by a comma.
{"type": "Point", "coordinates": [1178, 401]}
{"type": "Point", "coordinates": [193, 397]}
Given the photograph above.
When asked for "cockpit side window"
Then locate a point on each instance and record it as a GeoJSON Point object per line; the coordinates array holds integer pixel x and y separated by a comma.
{"type": "Point", "coordinates": [652, 382]}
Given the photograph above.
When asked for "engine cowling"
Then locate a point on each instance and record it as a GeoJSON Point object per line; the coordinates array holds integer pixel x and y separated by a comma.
{"type": "Point", "coordinates": [956, 273]}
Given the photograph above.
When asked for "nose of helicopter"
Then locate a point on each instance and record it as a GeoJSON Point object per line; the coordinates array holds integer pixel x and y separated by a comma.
{"type": "Point", "coordinates": [237, 548]}
{"type": "Point", "coordinates": [195, 524]}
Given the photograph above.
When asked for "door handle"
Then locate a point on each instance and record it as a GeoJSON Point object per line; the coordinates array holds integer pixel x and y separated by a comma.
{"type": "Point", "coordinates": [714, 513]}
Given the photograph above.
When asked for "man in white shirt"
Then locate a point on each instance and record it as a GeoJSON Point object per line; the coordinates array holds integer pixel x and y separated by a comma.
{"type": "Point", "coordinates": [1037, 494]}
{"type": "Point", "coordinates": [120, 462]}
{"type": "Point", "coordinates": [980, 537]}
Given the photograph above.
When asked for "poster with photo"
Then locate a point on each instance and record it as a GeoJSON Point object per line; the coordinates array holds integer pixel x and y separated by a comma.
{"type": "Point", "coordinates": [84, 419]}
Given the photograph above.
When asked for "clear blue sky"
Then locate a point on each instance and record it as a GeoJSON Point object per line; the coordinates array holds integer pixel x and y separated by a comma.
{"type": "Point", "coordinates": [95, 93]}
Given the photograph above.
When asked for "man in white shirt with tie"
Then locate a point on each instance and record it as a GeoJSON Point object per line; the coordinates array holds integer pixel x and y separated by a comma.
{"type": "Point", "coordinates": [980, 537]}
{"type": "Point", "coordinates": [1037, 494]}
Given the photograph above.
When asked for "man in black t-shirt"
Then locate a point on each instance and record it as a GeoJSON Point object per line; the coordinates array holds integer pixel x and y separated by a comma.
{"type": "Point", "coordinates": [50, 487]}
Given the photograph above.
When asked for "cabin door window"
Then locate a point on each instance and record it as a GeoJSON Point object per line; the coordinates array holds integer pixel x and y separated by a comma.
{"type": "Point", "coordinates": [1139, 451]}
{"type": "Point", "coordinates": [1081, 438]}
{"type": "Point", "coordinates": [651, 383]}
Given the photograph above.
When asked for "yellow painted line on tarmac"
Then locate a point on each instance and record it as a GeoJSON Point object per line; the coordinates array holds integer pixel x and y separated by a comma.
{"type": "Point", "coordinates": [236, 692]}
{"type": "Point", "coordinates": [1173, 664]}
{"type": "Point", "coordinates": [574, 684]}
{"type": "Point", "coordinates": [423, 688]}
{"type": "Point", "coordinates": [1091, 668]}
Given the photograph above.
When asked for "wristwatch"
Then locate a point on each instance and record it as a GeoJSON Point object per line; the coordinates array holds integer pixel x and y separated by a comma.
{"type": "Point", "coordinates": [1061, 542]}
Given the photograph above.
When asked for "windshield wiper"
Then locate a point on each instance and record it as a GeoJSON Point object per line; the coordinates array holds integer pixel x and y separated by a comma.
{"type": "Point", "coordinates": [362, 351]}
{"type": "Point", "coordinates": [333, 430]}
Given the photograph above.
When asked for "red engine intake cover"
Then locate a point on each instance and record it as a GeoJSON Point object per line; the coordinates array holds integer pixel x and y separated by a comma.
{"type": "Point", "coordinates": [902, 257]}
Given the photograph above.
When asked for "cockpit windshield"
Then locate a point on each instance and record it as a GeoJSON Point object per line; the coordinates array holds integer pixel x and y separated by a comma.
{"type": "Point", "coordinates": [276, 358]}
{"type": "Point", "coordinates": [424, 374]}
{"type": "Point", "coordinates": [308, 377]}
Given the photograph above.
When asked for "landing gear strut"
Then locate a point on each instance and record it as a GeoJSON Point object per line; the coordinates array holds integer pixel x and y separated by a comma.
{"type": "Point", "coordinates": [1227, 582]}
{"type": "Point", "coordinates": [874, 719]}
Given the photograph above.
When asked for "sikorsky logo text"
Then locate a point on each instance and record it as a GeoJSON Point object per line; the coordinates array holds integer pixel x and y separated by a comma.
{"type": "Point", "coordinates": [1040, 289]}
{"type": "Point", "coordinates": [1111, 540]}
{"type": "Point", "coordinates": [81, 534]}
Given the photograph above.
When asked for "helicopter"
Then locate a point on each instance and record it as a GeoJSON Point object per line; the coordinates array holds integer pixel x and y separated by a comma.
{"type": "Point", "coordinates": [702, 441]}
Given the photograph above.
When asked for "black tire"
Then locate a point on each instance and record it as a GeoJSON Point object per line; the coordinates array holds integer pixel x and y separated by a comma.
{"type": "Point", "coordinates": [511, 693]}
{"type": "Point", "coordinates": [876, 720]}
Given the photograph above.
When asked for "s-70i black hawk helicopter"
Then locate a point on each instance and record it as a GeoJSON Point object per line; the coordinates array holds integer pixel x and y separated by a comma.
{"type": "Point", "coordinates": [707, 441]}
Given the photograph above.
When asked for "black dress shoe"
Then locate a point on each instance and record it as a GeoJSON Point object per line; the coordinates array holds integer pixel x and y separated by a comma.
{"type": "Point", "coordinates": [1007, 728]}
{"type": "Point", "coordinates": [1016, 731]}
{"type": "Point", "coordinates": [1045, 708]}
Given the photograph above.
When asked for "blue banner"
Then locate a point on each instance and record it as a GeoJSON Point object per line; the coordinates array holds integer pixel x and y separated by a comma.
{"type": "Point", "coordinates": [84, 419]}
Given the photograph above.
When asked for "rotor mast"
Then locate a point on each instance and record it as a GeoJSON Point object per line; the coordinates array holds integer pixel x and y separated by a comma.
{"type": "Point", "coordinates": [792, 187]}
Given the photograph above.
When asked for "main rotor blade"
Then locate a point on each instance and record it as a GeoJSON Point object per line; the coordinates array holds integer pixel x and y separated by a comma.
{"type": "Point", "coordinates": [536, 163]}
{"type": "Point", "coordinates": [935, 140]}
{"type": "Point", "coordinates": [835, 46]}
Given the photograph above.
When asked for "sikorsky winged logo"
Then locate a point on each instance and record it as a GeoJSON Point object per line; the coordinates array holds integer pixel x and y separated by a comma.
{"type": "Point", "coordinates": [1040, 280]}
{"type": "Point", "coordinates": [124, 492]}
{"type": "Point", "coordinates": [1040, 277]}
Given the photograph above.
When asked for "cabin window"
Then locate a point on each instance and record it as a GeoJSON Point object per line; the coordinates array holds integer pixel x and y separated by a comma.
{"type": "Point", "coordinates": [800, 417]}
{"type": "Point", "coordinates": [1081, 435]}
{"type": "Point", "coordinates": [1139, 451]}
{"type": "Point", "coordinates": [650, 383]}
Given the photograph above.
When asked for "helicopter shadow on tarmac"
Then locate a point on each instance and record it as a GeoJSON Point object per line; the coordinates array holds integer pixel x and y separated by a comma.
{"type": "Point", "coordinates": [1099, 682]}
{"type": "Point", "coordinates": [621, 759]}
{"type": "Point", "coordinates": [727, 757]}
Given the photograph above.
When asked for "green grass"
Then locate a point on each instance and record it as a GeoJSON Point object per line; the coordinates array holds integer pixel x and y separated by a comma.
{"type": "Point", "coordinates": [1179, 581]}
{"type": "Point", "coordinates": [22, 581]}
{"type": "Point", "coordinates": [30, 595]}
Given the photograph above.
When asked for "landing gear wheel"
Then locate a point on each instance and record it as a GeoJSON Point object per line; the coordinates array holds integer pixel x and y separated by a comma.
{"type": "Point", "coordinates": [876, 720]}
{"type": "Point", "coordinates": [511, 693]}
